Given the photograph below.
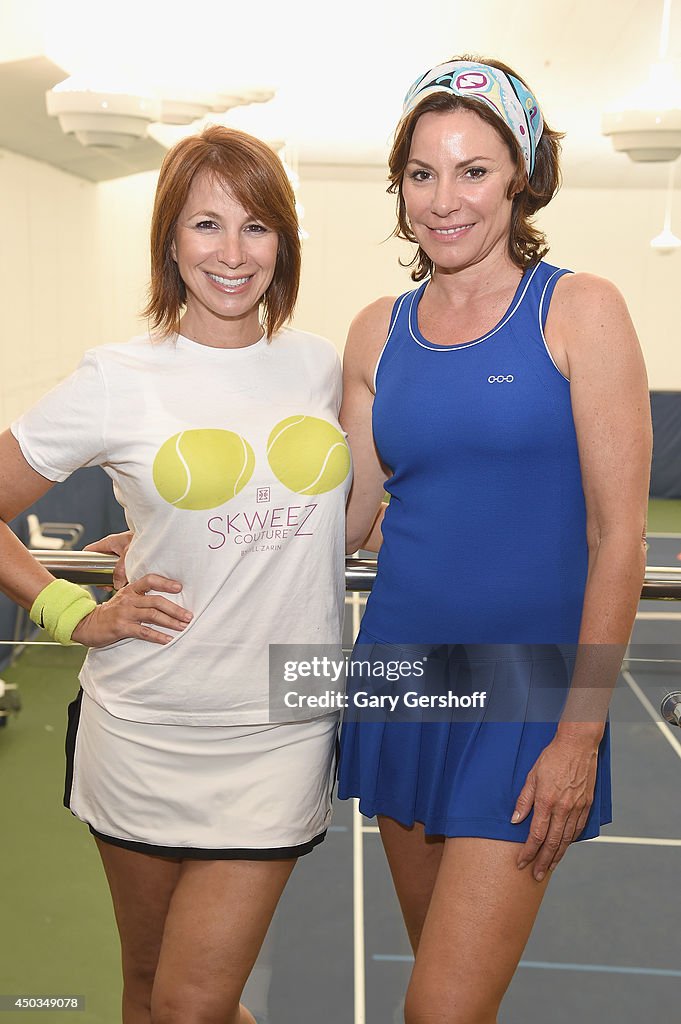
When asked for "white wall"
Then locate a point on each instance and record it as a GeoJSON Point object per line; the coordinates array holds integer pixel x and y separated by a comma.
{"type": "Point", "coordinates": [347, 261]}
{"type": "Point", "coordinates": [124, 208]}
{"type": "Point", "coordinates": [608, 232]}
{"type": "Point", "coordinates": [48, 285]}
{"type": "Point", "coordinates": [74, 264]}
{"type": "Point", "coordinates": [22, 32]}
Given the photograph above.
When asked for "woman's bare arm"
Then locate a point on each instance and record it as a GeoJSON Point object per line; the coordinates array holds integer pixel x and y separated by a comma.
{"type": "Point", "coordinates": [365, 340]}
{"type": "Point", "coordinates": [611, 408]}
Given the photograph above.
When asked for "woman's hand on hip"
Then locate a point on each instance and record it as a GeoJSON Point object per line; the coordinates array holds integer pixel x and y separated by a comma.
{"type": "Point", "coordinates": [134, 612]}
{"type": "Point", "coordinates": [560, 788]}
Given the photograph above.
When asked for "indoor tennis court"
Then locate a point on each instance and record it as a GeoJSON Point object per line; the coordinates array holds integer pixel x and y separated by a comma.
{"type": "Point", "coordinates": [92, 98]}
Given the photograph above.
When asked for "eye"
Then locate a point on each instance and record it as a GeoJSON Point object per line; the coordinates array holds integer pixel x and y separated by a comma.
{"type": "Point", "coordinates": [419, 175]}
{"type": "Point", "coordinates": [257, 229]}
{"type": "Point", "coordinates": [476, 173]}
{"type": "Point", "coordinates": [205, 225]}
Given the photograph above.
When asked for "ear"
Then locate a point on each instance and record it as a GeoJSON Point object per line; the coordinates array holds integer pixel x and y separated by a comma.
{"type": "Point", "coordinates": [173, 250]}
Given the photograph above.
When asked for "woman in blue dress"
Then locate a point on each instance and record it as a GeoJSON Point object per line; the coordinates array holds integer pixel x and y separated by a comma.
{"type": "Point", "coordinates": [503, 405]}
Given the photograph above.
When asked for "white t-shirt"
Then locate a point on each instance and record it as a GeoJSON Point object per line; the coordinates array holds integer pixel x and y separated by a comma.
{"type": "Point", "coordinates": [233, 474]}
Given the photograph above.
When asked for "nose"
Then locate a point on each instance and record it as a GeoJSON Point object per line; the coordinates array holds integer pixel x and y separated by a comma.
{"type": "Point", "coordinates": [446, 197]}
{"type": "Point", "coordinates": [232, 250]}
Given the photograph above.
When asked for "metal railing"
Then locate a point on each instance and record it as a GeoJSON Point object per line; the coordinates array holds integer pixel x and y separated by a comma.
{"type": "Point", "coordinates": [662, 583]}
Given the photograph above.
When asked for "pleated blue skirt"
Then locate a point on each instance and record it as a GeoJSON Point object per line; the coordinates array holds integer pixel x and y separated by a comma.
{"type": "Point", "coordinates": [459, 773]}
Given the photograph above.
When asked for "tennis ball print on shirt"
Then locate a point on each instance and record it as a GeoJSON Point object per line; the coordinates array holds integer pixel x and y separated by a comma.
{"type": "Point", "coordinates": [204, 468]}
{"type": "Point", "coordinates": [308, 455]}
{"type": "Point", "coordinates": [199, 469]}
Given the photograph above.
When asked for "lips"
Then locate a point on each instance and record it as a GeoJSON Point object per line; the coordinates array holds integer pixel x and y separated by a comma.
{"type": "Point", "coordinates": [450, 232]}
{"type": "Point", "coordinates": [230, 284]}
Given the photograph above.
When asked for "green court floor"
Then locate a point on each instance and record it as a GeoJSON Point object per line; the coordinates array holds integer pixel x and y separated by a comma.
{"type": "Point", "coordinates": [57, 931]}
{"type": "Point", "coordinates": [664, 516]}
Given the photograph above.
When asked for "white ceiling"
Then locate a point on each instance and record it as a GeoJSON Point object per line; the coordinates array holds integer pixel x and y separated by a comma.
{"type": "Point", "coordinates": [26, 128]}
{"type": "Point", "coordinates": [341, 72]}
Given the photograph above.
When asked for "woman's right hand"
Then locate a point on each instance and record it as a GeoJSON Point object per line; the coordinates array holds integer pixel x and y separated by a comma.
{"type": "Point", "coordinates": [115, 544]}
{"type": "Point", "coordinates": [133, 612]}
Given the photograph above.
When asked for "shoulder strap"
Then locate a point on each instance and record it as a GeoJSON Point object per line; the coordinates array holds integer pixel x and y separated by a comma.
{"type": "Point", "coordinates": [547, 291]}
{"type": "Point", "coordinates": [400, 311]}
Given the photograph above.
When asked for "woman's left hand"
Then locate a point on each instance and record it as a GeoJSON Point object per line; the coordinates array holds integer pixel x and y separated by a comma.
{"type": "Point", "coordinates": [560, 788]}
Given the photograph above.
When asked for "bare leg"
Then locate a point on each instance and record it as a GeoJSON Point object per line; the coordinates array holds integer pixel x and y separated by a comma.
{"type": "Point", "coordinates": [414, 860]}
{"type": "Point", "coordinates": [190, 933]}
{"type": "Point", "coordinates": [468, 912]}
{"type": "Point", "coordinates": [141, 888]}
{"type": "Point", "coordinates": [217, 919]}
{"type": "Point", "coordinates": [479, 920]}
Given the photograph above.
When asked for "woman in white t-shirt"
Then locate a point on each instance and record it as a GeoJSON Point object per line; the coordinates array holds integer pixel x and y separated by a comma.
{"type": "Point", "coordinates": [219, 430]}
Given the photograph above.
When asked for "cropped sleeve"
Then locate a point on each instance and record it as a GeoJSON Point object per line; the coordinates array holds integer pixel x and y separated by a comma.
{"type": "Point", "coordinates": [65, 430]}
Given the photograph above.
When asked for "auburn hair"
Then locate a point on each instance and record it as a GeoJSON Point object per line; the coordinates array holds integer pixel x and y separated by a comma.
{"type": "Point", "coordinates": [526, 243]}
{"type": "Point", "coordinates": [254, 175]}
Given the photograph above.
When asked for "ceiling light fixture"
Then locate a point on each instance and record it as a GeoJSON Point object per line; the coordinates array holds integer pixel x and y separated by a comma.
{"type": "Point", "coordinates": [667, 242]}
{"type": "Point", "coordinates": [256, 94]}
{"type": "Point", "coordinates": [101, 118]}
{"type": "Point", "coordinates": [184, 108]}
{"type": "Point", "coordinates": [648, 125]}
{"type": "Point", "coordinates": [241, 97]}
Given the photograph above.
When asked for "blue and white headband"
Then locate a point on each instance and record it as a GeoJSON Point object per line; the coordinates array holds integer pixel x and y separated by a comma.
{"type": "Point", "coordinates": [505, 94]}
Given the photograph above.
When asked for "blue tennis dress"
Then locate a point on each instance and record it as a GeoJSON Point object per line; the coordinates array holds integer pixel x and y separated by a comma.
{"type": "Point", "coordinates": [483, 564]}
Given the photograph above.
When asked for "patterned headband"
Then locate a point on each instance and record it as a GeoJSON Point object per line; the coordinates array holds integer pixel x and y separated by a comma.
{"type": "Point", "coordinates": [505, 94]}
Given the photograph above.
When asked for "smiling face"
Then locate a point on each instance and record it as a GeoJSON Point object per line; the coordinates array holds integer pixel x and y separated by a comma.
{"type": "Point", "coordinates": [455, 189]}
{"type": "Point", "coordinates": [227, 260]}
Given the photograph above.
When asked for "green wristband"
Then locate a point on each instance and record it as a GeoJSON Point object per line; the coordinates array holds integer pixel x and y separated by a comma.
{"type": "Point", "coordinates": [59, 607]}
{"type": "Point", "coordinates": [69, 619]}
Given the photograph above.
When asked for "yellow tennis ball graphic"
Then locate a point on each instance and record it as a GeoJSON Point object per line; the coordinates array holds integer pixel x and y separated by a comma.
{"type": "Point", "coordinates": [199, 469]}
{"type": "Point", "coordinates": [308, 455]}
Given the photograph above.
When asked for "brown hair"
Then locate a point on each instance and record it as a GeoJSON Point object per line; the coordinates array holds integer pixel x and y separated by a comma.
{"type": "Point", "coordinates": [255, 176]}
{"type": "Point", "coordinates": [526, 244]}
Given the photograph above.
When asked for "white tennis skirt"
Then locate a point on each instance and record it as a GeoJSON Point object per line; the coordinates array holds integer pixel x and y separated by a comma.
{"type": "Point", "coordinates": [257, 792]}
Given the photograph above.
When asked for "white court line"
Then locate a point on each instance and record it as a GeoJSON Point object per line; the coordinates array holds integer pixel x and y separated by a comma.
{"type": "Point", "coordinates": [636, 841]}
{"type": "Point", "coordinates": [358, 914]}
{"type": "Point", "coordinates": [676, 536]}
{"type": "Point", "coordinates": [668, 616]}
{"type": "Point", "coordinates": [35, 643]}
{"type": "Point", "coordinates": [358, 876]}
{"type": "Point", "coordinates": [664, 727]}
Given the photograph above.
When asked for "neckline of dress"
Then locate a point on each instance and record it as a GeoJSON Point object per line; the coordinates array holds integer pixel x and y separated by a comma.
{"type": "Point", "coordinates": [513, 306]}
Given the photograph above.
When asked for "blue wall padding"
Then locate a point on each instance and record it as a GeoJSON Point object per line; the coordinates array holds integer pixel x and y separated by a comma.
{"type": "Point", "coordinates": [665, 481]}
